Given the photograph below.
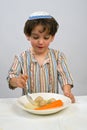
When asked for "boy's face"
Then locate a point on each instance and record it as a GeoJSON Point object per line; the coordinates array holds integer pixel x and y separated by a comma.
{"type": "Point", "coordinates": [40, 40]}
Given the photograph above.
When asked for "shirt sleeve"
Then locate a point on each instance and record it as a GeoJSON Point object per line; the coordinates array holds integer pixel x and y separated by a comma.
{"type": "Point", "coordinates": [14, 70]}
{"type": "Point", "coordinates": [64, 75]}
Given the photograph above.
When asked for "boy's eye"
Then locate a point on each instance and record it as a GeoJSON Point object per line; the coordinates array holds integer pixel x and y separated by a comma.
{"type": "Point", "coordinates": [46, 37]}
{"type": "Point", "coordinates": [35, 37]}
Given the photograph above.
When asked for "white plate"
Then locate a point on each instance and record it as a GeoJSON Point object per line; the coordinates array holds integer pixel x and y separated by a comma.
{"type": "Point", "coordinates": [23, 100]}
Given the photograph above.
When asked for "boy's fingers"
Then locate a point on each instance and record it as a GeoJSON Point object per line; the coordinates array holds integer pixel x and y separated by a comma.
{"type": "Point", "coordinates": [25, 77]}
{"type": "Point", "coordinates": [70, 95]}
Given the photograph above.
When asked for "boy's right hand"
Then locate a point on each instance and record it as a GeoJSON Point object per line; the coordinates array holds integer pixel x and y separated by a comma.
{"type": "Point", "coordinates": [19, 81]}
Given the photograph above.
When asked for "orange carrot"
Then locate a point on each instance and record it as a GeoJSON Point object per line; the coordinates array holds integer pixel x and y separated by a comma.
{"type": "Point", "coordinates": [54, 104]}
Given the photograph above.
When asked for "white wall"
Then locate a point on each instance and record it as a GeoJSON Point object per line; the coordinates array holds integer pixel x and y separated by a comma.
{"type": "Point", "coordinates": [71, 38]}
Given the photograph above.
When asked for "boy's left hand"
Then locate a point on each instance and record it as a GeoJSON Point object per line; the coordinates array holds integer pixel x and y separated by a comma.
{"type": "Point", "coordinates": [70, 95]}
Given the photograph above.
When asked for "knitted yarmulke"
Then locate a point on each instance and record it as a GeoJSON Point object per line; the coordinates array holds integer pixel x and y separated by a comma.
{"type": "Point", "coordinates": [39, 15]}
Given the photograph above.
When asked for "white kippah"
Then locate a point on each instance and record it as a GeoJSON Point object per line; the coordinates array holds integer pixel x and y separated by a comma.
{"type": "Point", "coordinates": [39, 15]}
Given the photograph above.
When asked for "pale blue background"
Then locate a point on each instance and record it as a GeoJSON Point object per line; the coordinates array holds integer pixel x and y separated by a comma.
{"type": "Point", "coordinates": [71, 37]}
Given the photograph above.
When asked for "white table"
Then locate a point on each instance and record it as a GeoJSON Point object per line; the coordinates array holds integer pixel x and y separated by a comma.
{"type": "Point", "coordinates": [14, 118]}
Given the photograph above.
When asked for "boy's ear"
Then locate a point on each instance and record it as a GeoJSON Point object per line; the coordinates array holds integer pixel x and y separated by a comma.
{"type": "Point", "coordinates": [27, 37]}
{"type": "Point", "coordinates": [52, 38]}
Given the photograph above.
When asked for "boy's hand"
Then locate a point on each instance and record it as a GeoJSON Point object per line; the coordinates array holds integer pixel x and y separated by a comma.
{"type": "Point", "coordinates": [19, 81]}
{"type": "Point", "coordinates": [67, 92]}
{"type": "Point", "coordinates": [70, 95]}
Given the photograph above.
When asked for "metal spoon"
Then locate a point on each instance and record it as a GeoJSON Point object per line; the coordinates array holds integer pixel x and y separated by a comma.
{"type": "Point", "coordinates": [29, 98]}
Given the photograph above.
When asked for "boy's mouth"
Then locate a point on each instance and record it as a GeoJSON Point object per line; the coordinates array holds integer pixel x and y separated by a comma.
{"type": "Point", "coordinates": [40, 47]}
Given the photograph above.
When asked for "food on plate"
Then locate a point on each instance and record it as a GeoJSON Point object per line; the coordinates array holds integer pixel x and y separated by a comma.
{"type": "Point", "coordinates": [51, 100]}
{"type": "Point", "coordinates": [42, 104]}
{"type": "Point", "coordinates": [40, 101]}
{"type": "Point", "coordinates": [29, 106]}
{"type": "Point", "coordinates": [57, 103]}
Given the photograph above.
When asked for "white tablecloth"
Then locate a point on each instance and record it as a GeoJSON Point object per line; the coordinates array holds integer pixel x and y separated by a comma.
{"type": "Point", "coordinates": [72, 118]}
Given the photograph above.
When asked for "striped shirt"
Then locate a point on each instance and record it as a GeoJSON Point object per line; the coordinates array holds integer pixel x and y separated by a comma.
{"type": "Point", "coordinates": [46, 78]}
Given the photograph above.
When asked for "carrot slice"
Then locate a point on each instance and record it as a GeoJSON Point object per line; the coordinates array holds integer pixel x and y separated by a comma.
{"type": "Point", "coordinates": [57, 103]}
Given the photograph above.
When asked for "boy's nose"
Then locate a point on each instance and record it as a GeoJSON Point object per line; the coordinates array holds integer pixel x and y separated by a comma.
{"type": "Point", "coordinates": [41, 41]}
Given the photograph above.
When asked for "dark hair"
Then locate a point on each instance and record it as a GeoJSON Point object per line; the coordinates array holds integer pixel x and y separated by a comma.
{"type": "Point", "coordinates": [49, 24]}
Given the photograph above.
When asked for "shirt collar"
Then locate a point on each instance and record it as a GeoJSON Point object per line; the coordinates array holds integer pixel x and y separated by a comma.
{"type": "Point", "coordinates": [47, 60]}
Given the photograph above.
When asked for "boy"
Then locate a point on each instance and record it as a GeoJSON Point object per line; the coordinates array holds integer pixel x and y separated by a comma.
{"type": "Point", "coordinates": [41, 67]}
